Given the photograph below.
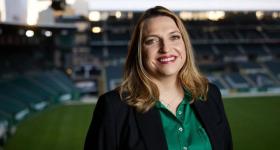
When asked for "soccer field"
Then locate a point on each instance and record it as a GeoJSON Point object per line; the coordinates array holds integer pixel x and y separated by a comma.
{"type": "Point", "coordinates": [254, 121]}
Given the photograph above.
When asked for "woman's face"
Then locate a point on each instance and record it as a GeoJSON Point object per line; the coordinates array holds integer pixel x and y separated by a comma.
{"type": "Point", "coordinates": [163, 47]}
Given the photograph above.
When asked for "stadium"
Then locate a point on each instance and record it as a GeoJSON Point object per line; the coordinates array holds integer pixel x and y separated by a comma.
{"type": "Point", "coordinates": [58, 56]}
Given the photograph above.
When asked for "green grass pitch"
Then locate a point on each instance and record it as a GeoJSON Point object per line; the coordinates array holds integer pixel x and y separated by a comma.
{"type": "Point", "coordinates": [255, 124]}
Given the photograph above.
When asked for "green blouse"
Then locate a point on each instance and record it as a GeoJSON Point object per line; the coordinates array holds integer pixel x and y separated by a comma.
{"type": "Point", "coordinates": [183, 131]}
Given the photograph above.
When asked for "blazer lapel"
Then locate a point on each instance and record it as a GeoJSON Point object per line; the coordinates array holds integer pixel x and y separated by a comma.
{"type": "Point", "coordinates": [151, 130]}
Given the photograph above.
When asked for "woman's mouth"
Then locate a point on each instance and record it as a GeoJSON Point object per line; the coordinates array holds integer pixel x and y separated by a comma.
{"type": "Point", "coordinates": [167, 59]}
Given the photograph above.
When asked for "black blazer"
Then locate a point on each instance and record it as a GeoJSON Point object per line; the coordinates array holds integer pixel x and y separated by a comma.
{"type": "Point", "coordinates": [117, 126]}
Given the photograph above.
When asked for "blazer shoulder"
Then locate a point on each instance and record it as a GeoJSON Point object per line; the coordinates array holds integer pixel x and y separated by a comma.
{"type": "Point", "coordinates": [213, 88]}
{"type": "Point", "coordinates": [112, 99]}
{"type": "Point", "coordinates": [113, 95]}
{"type": "Point", "coordinates": [214, 92]}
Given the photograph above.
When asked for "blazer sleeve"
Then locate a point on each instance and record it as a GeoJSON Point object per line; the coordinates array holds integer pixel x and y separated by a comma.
{"type": "Point", "coordinates": [101, 134]}
{"type": "Point", "coordinates": [228, 136]}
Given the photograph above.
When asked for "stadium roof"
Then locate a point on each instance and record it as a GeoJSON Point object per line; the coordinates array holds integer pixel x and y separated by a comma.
{"type": "Point", "coordinates": [186, 5]}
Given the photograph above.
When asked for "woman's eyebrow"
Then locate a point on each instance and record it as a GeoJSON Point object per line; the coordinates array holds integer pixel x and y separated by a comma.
{"type": "Point", "coordinates": [173, 32]}
{"type": "Point", "coordinates": [155, 35]}
{"type": "Point", "coordinates": [152, 35]}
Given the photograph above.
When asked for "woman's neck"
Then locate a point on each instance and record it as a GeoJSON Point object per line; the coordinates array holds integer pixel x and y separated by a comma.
{"type": "Point", "coordinates": [168, 86]}
{"type": "Point", "coordinates": [171, 93]}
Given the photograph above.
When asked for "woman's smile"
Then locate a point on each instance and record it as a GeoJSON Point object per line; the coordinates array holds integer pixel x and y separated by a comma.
{"type": "Point", "coordinates": [167, 59]}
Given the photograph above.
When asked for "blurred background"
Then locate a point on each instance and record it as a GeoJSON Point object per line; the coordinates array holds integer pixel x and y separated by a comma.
{"type": "Point", "coordinates": [58, 56]}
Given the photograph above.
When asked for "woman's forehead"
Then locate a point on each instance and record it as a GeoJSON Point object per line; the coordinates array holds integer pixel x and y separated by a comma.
{"type": "Point", "coordinates": [159, 24]}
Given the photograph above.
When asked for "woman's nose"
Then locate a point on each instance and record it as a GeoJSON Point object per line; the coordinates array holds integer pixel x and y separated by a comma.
{"type": "Point", "coordinates": [165, 46]}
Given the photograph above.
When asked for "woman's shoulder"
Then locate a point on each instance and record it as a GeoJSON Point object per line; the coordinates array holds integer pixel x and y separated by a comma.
{"type": "Point", "coordinates": [113, 94]}
{"type": "Point", "coordinates": [213, 90]}
{"type": "Point", "coordinates": [213, 87]}
{"type": "Point", "coordinates": [111, 99]}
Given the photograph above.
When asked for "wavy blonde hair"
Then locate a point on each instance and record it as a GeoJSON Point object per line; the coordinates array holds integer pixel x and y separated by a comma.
{"type": "Point", "coordinates": [137, 89]}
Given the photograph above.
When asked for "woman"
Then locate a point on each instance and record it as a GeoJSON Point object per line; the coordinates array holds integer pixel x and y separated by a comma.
{"type": "Point", "coordinates": [163, 102]}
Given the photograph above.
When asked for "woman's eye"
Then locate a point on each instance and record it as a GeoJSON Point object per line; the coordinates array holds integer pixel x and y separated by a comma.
{"type": "Point", "coordinates": [151, 41]}
{"type": "Point", "coordinates": [175, 37]}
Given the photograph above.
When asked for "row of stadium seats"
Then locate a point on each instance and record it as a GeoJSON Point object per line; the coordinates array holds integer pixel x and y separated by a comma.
{"type": "Point", "coordinates": [241, 81]}
{"type": "Point", "coordinates": [23, 95]}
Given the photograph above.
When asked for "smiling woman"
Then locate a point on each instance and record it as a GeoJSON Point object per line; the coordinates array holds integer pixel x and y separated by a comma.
{"type": "Point", "coordinates": [163, 48]}
{"type": "Point", "coordinates": [164, 102]}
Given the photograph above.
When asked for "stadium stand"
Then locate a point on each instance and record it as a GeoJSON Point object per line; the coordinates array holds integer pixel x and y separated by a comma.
{"type": "Point", "coordinates": [29, 80]}
{"type": "Point", "coordinates": [274, 49]}
{"type": "Point", "coordinates": [118, 34]}
{"type": "Point", "coordinates": [273, 66]}
{"type": "Point", "coordinates": [113, 76]}
{"type": "Point", "coordinates": [228, 50]}
{"type": "Point", "coordinates": [217, 80]}
{"type": "Point", "coordinates": [98, 37]}
{"type": "Point", "coordinates": [262, 80]}
{"type": "Point", "coordinates": [27, 94]}
{"type": "Point", "coordinates": [203, 49]}
{"type": "Point", "coordinates": [236, 80]}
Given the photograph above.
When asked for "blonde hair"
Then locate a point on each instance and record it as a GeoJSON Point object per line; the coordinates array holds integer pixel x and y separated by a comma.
{"type": "Point", "coordinates": [137, 89]}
